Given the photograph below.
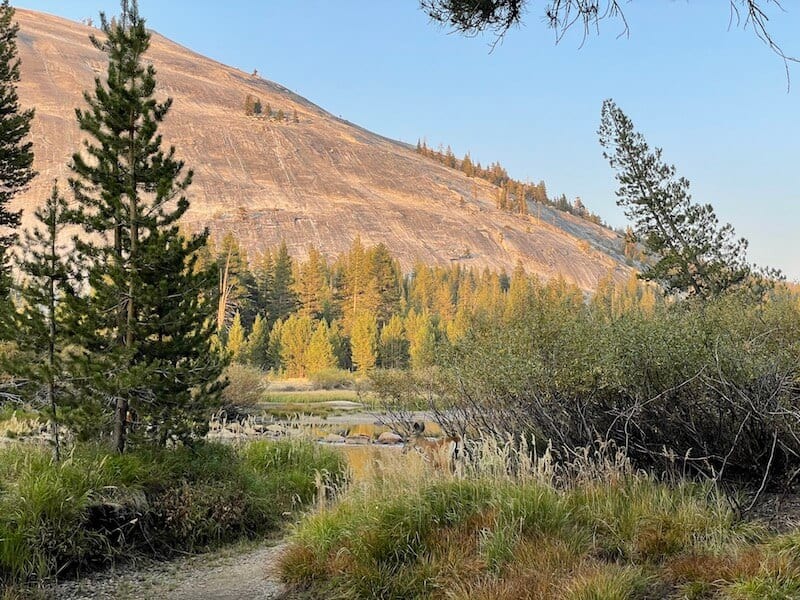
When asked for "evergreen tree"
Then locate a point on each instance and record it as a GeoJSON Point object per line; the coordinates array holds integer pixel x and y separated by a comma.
{"type": "Point", "coordinates": [238, 288]}
{"type": "Point", "coordinates": [235, 344]}
{"type": "Point", "coordinates": [360, 292]}
{"type": "Point", "coordinates": [274, 347]}
{"type": "Point", "coordinates": [16, 155]}
{"type": "Point", "coordinates": [385, 275]}
{"type": "Point", "coordinates": [393, 347]}
{"type": "Point", "coordinates": [340, 345]}
{"type": "Point", "coordinates": [311, 285]}
{"type": "Point", "coordinates": [281, 299]}
{"type": "Point", "coordinates": [364, 341]}
{"type": "Point", "coordinates": [692, 253]}
{"type": "Point", "coordinates": [37, 325]}
{"type": "Point", "coordinates": [257, 346]}
{"type": "Point", "coordinates": [147, 324]}
{"type": "Point", "coordinates": [319, 355]}
{"type": "Point", "coordinates": [421, 333]}
{"type": "Point", "coordinates": [295, 339]}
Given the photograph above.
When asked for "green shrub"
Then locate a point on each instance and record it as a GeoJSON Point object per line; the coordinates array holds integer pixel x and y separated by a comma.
{"type": "Point", "coordinates": [97, 508]}
{"type": "Point", "coordinates": [704, 387]}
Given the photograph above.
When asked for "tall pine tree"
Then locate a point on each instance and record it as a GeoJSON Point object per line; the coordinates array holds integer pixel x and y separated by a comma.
{"type": "Point", "coordinates": [147, 323]}
{"type": "Point", "coordinates": [16, 155]}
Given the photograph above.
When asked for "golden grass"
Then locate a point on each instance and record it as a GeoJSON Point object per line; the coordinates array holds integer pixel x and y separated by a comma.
{"type": "Point", "coordinates": [510, 526]}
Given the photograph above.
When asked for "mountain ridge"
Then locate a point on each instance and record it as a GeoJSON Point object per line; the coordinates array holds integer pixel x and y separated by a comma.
{"type": "Point", "coordinates": [318, 182]}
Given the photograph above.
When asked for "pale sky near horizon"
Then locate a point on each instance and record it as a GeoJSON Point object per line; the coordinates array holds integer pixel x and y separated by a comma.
{"type": "Point", "coordinates": [709, 93]}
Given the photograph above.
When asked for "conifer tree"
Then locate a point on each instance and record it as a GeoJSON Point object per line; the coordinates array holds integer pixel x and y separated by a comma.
{"type": "Point", "coordinates": [385, 277]}
{"type": "Point", "coordinates": [360, 291]}
{"type": "Point", "coordinates": [238, 288]}
{"type": "Point", "coordinates": [421, 333]}
{"type": "Point", "coordinates": [311, 286]}
{"type": "Point", "coordinates": [295, 339]}
{"type": "Point", "coordinates": [235, 344]}
{"type": "Point", "coordinates": [16, 155]}
{"type": "Point", "coordinates": [257, 343]}
{"type": "Point", "coordinates": [274, 347]}
{"type": "Point", "coordinates": [281, 299]}
{"type": "Point", "coordinates": [364, 341]}
{"type": "Point", "coordinates": [691, 252]}
{"type": "Point", "coordinates": [147, 324]}
{"type": "Point", "coordinates": [38, 324]}
{"type": "Point", "coordinates": [393, 347]}
{"type": "Point", "coordinates": [319, 355]}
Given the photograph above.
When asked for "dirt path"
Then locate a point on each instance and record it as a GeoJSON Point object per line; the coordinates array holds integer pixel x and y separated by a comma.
{"type": "Point", "coordinates": [238, 572]}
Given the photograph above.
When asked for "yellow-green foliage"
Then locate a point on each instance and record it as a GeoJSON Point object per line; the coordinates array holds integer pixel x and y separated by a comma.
{"type": "Point", "coordinates": [94, 508]}
{"type": "Point", "coordinates": [600, 534]}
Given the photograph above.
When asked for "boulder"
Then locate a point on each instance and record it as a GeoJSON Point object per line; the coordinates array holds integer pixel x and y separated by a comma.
{"type": "Point", "coordinates": [389, 437]}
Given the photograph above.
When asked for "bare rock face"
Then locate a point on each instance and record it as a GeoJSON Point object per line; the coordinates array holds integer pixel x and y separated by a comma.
{"type": "Point", "coordinates": [309, 179]}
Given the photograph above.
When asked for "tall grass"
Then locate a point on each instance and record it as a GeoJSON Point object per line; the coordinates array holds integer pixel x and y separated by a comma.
{"type": "Point", "coordinates": [95, 508]}
{"type": "Point", "coordinates": [516, 527]}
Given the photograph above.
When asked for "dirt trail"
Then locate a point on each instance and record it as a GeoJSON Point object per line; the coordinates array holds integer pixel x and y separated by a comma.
{"type": "Point", "coordinates": [238, 572]}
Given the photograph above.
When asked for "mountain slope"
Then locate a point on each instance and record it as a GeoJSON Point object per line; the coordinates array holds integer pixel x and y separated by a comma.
{"type": "Point", "coordinates": [318, 181]}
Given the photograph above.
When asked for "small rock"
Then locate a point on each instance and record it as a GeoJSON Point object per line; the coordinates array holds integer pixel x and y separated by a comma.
{"type": "Point", "coordinates": [360, 440]}
{"type": "Point", "coordinates": [389, 437]}
{"type": "Point", "coordinates": [332, 438]}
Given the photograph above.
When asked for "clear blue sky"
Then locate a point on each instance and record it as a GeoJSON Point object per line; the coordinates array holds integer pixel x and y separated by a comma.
{"type": "Point", "coordinates": [713, 97]}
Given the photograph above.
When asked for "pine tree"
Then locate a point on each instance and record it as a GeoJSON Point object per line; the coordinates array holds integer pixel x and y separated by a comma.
{"type": "Point", "coordinates": [360, 291]}
{"type": "Point", "coordinates": [281, 299]}
{"type": "Point", "coordinates": [235, 344]}
{"type": "Point", "coordinates": [421, 334]}
{"type": "Point", "coordinates": [147, 324]}
{"type": "Point", "coordinates": [311, 285]}
{"type": "Point", "coordinates": [257, 345]}
{"type": "Point", "coordinates": [16, 155]}
{"type": "Point", "coordinates": [319, 355]}
{"type": "Point", "coordinates": [385, 277]}
{"type": "Point", "coordinates": [295, 339]}
{"type": "Point", "coordinates": [38, 324]}
{"type": "Point", "coordinates": [238, 288]}
{"type": "Point", "coordinates": [393, 347]}
{"type": "Point", "coordinates": [274, 347]}
{"type": "Point", "coordinates": [692, 253]}
{"type": "Point", "coordinates": [364, 341]}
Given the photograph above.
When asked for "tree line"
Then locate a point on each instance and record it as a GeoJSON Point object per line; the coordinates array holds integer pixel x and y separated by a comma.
{"type": "Point", "coordinates": [512, 195]}
{"type": "Point", "coordinates": [360, 311]}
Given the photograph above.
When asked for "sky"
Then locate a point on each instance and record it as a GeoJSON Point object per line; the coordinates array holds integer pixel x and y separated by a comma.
{"type": "Point", "coordinates": [705, 90]}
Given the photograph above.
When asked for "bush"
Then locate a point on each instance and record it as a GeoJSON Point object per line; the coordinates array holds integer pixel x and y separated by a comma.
{"type": "Point", "coordinates": [96, 508]}
{"type": "Point", "coordinates": [246, 385]}
{"type": "Point", "coordinates": [331, 379]}
{"type": "Point", "coordinates": [704, 387]}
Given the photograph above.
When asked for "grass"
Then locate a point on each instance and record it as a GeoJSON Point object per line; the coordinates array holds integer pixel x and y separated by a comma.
{"type": "Point", "coordinates": [595, 530]}
{"type": "Point", "coordinates": [312, 396]}
{"type": "Point", "coordinates": [94, 508]}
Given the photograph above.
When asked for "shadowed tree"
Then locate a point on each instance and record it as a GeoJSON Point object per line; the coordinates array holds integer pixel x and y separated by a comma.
{"type": "Point", "coordinates": [16, 155]}
{"type": "Point", "coordinates": [146, 326]}
{"type": "Point", "coordinates": [38, 323]}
